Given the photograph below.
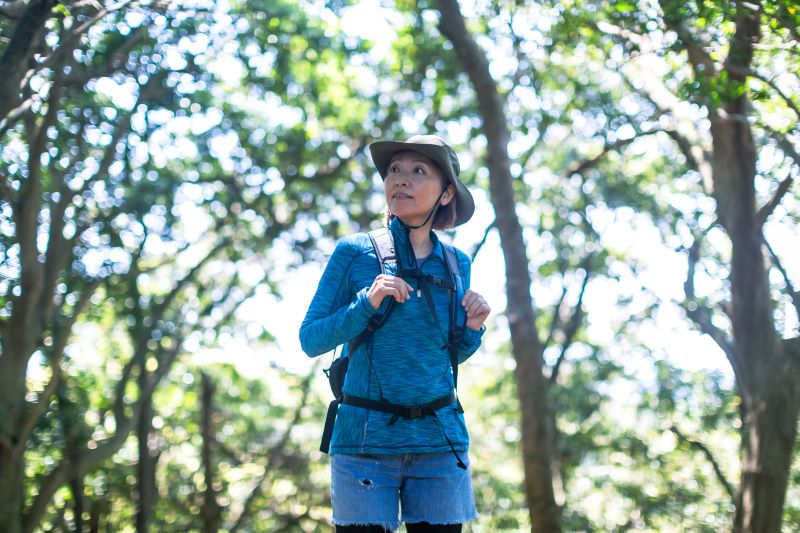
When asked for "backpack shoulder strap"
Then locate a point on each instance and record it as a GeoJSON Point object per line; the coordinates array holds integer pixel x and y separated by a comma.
{"type": "Point", "coordinates": [383, 243]}
{"type": "Point", "coordinates": [458, 315]}
{"type": "Point", "coordinates": [451, 259]}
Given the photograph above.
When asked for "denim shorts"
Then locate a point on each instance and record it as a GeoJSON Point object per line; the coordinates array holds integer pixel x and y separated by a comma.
{"type": "Point", "coordinates": [427, 487]}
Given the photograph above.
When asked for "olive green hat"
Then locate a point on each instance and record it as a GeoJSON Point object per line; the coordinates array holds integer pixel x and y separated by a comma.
{"type": "Point", "coordinates": [439, 152]}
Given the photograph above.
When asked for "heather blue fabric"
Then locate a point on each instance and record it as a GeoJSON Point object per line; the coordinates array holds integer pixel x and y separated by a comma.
{"type": "Point", "coordinates": [410, 365]}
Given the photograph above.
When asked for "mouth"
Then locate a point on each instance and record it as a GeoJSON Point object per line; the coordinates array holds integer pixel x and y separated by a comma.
{"type": "Point", "coordinates": [401, 196]}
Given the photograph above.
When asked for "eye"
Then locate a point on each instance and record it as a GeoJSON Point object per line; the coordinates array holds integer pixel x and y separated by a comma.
{"type": "Point", "coordinates": [419, 170]}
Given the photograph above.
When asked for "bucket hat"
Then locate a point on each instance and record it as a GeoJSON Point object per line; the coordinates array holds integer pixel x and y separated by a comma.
{"type": "Point", "coordinates": [438, 151]}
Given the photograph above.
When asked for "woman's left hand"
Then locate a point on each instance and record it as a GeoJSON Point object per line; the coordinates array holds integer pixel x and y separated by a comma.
{"type": "Point", "coordinates": [477, 309]}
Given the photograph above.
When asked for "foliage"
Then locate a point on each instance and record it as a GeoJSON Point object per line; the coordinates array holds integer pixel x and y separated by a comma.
{"type": "Point", "coordinates": [187, 153]}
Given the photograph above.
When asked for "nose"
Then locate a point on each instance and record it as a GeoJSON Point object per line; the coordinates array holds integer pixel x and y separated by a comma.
{"type": "Point", "coordinates": [398, 179]}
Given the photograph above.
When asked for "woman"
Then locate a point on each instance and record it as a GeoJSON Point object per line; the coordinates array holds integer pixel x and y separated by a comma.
{"type": "Point", "coordinates": [411, 454]}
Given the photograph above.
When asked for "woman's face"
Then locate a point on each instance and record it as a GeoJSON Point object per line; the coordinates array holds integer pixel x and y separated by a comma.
{"type": "Point", "coordinates": [412, 185]}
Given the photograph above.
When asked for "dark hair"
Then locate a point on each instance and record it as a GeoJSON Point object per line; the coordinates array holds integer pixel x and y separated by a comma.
{"type": "Point", "coordinates": [445, 217]}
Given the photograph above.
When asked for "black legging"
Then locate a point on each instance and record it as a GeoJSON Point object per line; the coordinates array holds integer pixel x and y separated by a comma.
{"type": "Point", "coordinates": [417, 527]}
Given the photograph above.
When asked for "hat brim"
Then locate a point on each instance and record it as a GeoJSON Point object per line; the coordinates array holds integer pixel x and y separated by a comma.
{"type": "Point", "coordinates": [382, 152]}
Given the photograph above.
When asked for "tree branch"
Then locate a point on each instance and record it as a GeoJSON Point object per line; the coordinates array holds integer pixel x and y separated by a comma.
{"type": "Point", "coordinates": [574, 322]}
{"type": "Point", "coordinates": [701, 316]}
{"type": "Point", "coordinates": [77, 466]}
{"type": "Point", "coordinates": [274, 455]}
{"type": "Point", "coordinates": [544, 125]}
{"type": "Point", "coordinates": [740, 50]}
{"type": "Point", "coordinates": [785, 144]}
{"type": "Point", "coordinates": [710, 457]}
{"type": "Point", "coordinates": [701, 61]}
{"type": "Point", "coordinates": [158, 310]}
{"type": "Point", "coordinates": [580, 167]}
{"type": "Point", "coordinates": [769, 207]}
{"type": "Point", "coordinates": [12, 9]}
{"type": "Point", "coordinates": [66, 46]}
{"type": "Point", "coordinates": [686, 149]}
{"type": "Point", "coordinates": [749, 72]}
{"type": "Point", "coordinates": [483, 240]}
{"type": "Point", "coordinates": [79, 75]}
{"type": "Point", "coordinates": [555, 319]}
{"type": "Point", "coordinates": [56, 353]}
{"type": "Point", "coordinates": [702, 319]}
{"type": "Point", "coordinates": [68, 469]}
{"type": "Point", "coordinates": [793, 294]}
{"type": "Point", "coordinates": [146, 92]}
{"type": "Point", "coordinates": [14, 114]}
{"type": "Point", "coordinates": [17, 54]}
{"type": "Point", "coordinates": [684, 132]}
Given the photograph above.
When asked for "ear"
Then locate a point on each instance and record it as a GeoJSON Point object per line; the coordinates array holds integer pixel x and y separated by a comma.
{"type": "Point", "coordinates": [449, 194]}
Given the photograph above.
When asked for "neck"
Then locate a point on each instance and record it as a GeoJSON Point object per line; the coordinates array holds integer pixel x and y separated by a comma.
{"type": "Point", "coordinates": [421, 240]}
{"type": "Point", "coordinates": [418, 238]}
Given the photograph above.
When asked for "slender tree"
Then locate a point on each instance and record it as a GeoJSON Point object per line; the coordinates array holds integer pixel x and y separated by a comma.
{"type": "Point", "coordinates": [767, 368]}
{"type": "Point", "coordinates": [724, 58]}
{"type": "Point", "coordinates": [535, 409]}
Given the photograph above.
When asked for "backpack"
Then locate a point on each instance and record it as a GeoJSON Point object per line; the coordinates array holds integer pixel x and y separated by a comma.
{"type": "Point", "coordinates": [383, 244]}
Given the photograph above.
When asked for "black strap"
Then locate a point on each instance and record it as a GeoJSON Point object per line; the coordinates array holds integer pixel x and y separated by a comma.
{"type": "Point", "coordinates": [400, 411]}
{"type": "Point", "coordinates": [457, 313]}
{"type": "Point", "coordinates": [327, 432]}
{"type": "Point", "coordinates": [459, 461]}
{"type": "Point", "coordinates": [410, 413]}
{"type": "Point", "coordinates": [423, 284]}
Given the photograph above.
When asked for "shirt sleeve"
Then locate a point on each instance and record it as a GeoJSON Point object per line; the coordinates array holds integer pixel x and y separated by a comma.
{"type": "Point", "coordinates": [334, 316]}
{"type": "Point", "coordinates": [471, 339]}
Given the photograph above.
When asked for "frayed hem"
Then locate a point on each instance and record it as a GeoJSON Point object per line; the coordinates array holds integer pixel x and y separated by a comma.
{"type": "Point", "coordinates": [445, 522]}
{"type": "Point", "coordinates": [391, 526]}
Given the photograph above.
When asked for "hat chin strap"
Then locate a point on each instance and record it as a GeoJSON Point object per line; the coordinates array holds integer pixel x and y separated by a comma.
{"type": "Point", "coordinates": [433, 211]}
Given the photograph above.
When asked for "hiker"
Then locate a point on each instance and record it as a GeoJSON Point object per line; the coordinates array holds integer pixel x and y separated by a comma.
{"type": "Point", "coordinates": [398, 299]}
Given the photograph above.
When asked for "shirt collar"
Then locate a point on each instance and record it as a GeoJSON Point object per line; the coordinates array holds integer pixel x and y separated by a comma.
{"type": "Point", "coordinates": [402, 245]}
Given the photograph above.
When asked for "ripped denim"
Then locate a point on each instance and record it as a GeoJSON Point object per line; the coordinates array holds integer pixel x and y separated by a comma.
{"type": "Point", "coordinates": [375, 489]}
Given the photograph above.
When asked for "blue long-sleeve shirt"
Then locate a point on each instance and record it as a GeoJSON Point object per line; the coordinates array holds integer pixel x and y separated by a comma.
{"type": "Point", "coordinates": [410, 364]}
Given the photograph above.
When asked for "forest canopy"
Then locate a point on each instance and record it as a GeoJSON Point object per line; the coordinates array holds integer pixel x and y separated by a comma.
{"type": "Point", "coordinates": [174, 175]}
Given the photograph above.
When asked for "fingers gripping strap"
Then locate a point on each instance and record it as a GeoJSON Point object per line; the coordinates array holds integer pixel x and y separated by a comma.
{"type": "Point", "coordinates": [383, 244]}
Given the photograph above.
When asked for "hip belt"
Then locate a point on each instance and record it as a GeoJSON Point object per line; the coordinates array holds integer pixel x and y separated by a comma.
{"type": "Point", "coordinates": [400, 411]}
{"type": "Point", "coordinates": [409, 413]}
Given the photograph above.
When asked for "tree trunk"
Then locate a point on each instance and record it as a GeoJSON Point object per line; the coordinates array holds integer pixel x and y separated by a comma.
{"type": "Point", "coordinates": [537, 435]}
{"type": "Point", "coordinates": [211, 510]}
{"type": "Point", "coordinates": [11, 483]}
{"type": "Point", "coordinates": [146, 468]}
{"type": "Point", "coordinates": [767, 376]}
{"type": "Point", "coordinates": [770, 429]}
{"type": "Point", "coordinates": [20, 336]}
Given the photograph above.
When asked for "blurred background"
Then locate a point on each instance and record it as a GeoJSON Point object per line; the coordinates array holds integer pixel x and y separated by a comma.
{"type": "Point", "coordinates": [174, 175]}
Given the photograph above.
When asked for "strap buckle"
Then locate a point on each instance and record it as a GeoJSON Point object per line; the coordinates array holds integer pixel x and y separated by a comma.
{"type": "Point", "coordinates": [414, 412]}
